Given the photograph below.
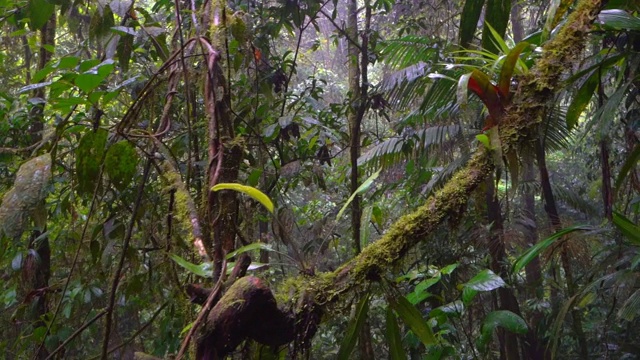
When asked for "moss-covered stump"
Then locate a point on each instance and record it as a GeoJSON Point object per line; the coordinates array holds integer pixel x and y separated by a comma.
{"type": "Point", "coordinates": [248, 310]}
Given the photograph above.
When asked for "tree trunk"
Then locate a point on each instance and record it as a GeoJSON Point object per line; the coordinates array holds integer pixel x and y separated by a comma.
{"type": "Point", "coordinates": [554, 217]}
{"type": "Point", "coordinates": [500, 265]}
{"type": "Point", "coordinates": [37, 267]}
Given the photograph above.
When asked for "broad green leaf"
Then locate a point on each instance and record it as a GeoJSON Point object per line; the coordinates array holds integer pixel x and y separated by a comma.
{"type": "Point", "coordinates": [250, 247]}
{"type": "Point", "coordinates": [88, 159]}
{"type": "Point", "coordinates": [256, 194]}
{"type": "Point", "coordinates": [355, 325]}
{"type": "Point", "coordinates": [486, 280]}
{"type": "Point", "coordinates": [88, 82]}
{"type": "Point", "coordinates": [120, 163]}
{"type": "Point", "coordinates": [199, 270]}
{"type": "Point", "coordinates": [630, 230]}
{"type": "Point", "coordinates": [39, 13]}
{"type": "Point", "coordinates": [500, 318]}
{"type": "Point", "coordinates": [413, 318]}
{"type": "Point", "coordinates": [396, 352]}
{"type": "Point", "coordinates": [68, 62]}
{"type": "Point", "coordinates": [469, 20]}
{"type": "Point", "coordinates": [538, 248]}
{"type": "Point", "coordinates": [362, 188]}
{"type": "Point", "coordinates": [581, 100]}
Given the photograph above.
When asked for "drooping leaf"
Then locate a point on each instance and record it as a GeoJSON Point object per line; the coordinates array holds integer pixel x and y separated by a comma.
{"type": "Point", "coordinates": [486, 280]}
{"type": "Point", "coordinates": [538, 248]}
{"type": "Point", "coordinates": [500, 318]}
{"type": "Point", "coordinates": [250, 247]}
{"type": "Point", "coordinates": [355, 325]}
{"type": "Point", "coordinates": [413, 318]}
{"type": "Point", "coordinates": [120, 163]}
{"type": "Point", "coordinates": [256, 194]}
{"type": "Point", "coordinates": [469, 20]}
{"type": "Point", "coordinates": [396, 352]}
{"type": "Point", "coordinates": [362, 188]}
{"type": "Point", "coordinates": [581, 100]}
{"type": "Point", "coordinates": [88, 159]}
{"type": "Point", "coordinates": [203, 270]}
{"type": "Point", "coordinates": [630, 230]}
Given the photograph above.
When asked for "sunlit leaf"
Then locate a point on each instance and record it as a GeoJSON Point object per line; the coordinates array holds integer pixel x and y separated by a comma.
{"type": "Point", "coordinates": [256, 194]}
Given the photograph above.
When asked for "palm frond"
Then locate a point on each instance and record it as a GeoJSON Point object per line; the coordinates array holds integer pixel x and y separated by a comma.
{"type": "Point", "coordinates": [574, 200]}
{"type": "Point", "coordinates": [404, 86]}
{"type": "Point", "coordinates": [409, 50]}
{"type": "Point", "coordinates": [556, 135]}
{"type": "Point", "coordinates": [412, 144]}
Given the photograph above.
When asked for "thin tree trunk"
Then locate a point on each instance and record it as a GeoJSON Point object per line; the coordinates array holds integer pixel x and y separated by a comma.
{"type": "Point", "coordinates": [552, 212]}
{"type": "Point", "coordinates": [37, 268]}
{"type": "Point", "coordinates": [499, 265]}
{"type": "Point", "coordinates": [533, 270]}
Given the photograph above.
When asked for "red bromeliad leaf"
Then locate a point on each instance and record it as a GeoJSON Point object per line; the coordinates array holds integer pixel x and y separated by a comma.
{"type": "Point", "coordinates": [480, 84]}
{"type": "Point", "coordinates": [504, 81]}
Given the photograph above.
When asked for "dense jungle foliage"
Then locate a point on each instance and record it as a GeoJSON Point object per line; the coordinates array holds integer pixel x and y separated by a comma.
{"type": "Point", "coordinates": [316, 179]}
